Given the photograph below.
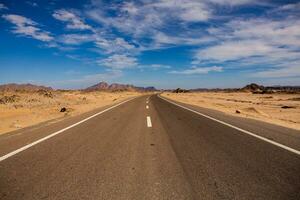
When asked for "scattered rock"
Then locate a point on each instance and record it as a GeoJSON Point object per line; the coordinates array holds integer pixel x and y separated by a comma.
{"type": "Point", "coordinates": [114, 99]}
{"type": "Point", "coordinates": [45, 93]}
{"type": "Point", "coordinates": [237, 111]}
{"type": "Point", "coordinates": [33, 100]}
{"type": "Point", "coordinates": [286, 107]}
{"type": "Point", "coordinates": [9, 99]}
{"type": "Point", "coordinates": [152, 144]}
{"type": "Point", "coordinates": [63, 109]}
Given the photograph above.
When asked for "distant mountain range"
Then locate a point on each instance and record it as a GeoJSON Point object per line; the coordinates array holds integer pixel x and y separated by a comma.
{"type": "Point", "coordinates": [253, 87]}
{"type": "Point", "coordinates": [103, 86]}
{"type": "Point", "coordinates": [23, 87]}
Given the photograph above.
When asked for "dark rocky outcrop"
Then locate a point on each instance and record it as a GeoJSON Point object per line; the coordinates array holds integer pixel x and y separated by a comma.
{"type": "Point", "coordinates": [179, 90]}
{"type": "Point", "coordinates": [253, 87]}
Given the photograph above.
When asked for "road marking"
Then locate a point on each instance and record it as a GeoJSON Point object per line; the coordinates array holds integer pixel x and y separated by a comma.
{"type": "Point", "coordinates": [58, 132]}
{"type": "Point", "coordinates": [237, 128]}
{"type": "Point", "coordinates": [147, 107]}
{"type": "Point", "coordinates": [149, 124]}
{"type": "Point", "coordinates": [147, 102]}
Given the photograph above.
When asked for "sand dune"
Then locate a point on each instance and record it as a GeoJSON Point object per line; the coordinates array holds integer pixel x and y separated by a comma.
{"type": "Point", "coordinates": [22, 109]}
{"type": "Point", "coordinates": [281, 109]}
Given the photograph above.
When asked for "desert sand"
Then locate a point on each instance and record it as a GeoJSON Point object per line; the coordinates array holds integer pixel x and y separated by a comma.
{"type": "Point", "coordinates": [23, 109]}
{"type": "Point", "coordinates": [280, 109]}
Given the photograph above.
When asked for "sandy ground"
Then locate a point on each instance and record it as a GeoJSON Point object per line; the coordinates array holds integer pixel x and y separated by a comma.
{"type": "Point", "coordinates": [22, 109]}
{"type": "Point", "coordinates": [264, 107]}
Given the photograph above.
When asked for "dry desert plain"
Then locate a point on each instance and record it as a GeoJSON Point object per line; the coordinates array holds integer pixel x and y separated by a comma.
{"type": "Point", "coordinates": [23, 109]}
{"type": "Point", "coordinates": [278, 108]}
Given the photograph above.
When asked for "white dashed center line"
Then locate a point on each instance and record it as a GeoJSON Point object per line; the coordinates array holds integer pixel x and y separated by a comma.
{"type": "Point", "coordinates": [149, 124]}
{"type": "Point", "coordinates": [147, 107]}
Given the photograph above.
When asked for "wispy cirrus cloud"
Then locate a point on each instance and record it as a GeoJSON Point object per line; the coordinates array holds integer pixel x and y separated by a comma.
{"type": "Point", "coordinates": [26, 27]}
{"type": "Point", "coordinates": [146, 17]}
{"type": "Point", "coordinates": [234, 50]}
{"type": "Point", "coordinates": [71, 19]}
{"type": "Point", "coordinates": [210, 35]}
{"type": "Point", "coordinates": [117, 45]}
{"type": "Point", "coordinates": [154, 67]}
{"type": "Point", "coordinates": [232, 2]}
{"type": "Point", "coordinates": [198, 70]}
{"type": "Point", "coordinates": [291, 7]}
{"type": "Point", "coordinates": [290, 71]}
{"type": "Point", "coordinates": [119, 61]}
{"type": "Point", "coordinates": [76, 39]}
{"type": "Point", "coordinates": [271, 43]}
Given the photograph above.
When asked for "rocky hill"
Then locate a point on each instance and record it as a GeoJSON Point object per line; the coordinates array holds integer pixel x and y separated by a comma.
{"type": "Point", "coordinates": [253, 87]}
{"type": "Point", "coordinates": [23, 87]}
{"type": "Point", "coordinates": [103, 86]}
{"type": "Point", "coordinates": [98, 86]}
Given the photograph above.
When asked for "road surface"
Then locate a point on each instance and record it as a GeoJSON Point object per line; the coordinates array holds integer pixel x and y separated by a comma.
{"type": "Point", "coordinates": [149, 148]}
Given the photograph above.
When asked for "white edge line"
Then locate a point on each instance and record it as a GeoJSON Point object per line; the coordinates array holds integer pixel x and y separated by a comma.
{"type": "Point", "coordinates": [237, 128]}
{"type": "Point", "coordinates": [58, 132]}
{"type": "Point", "coordinates": [149, 124]}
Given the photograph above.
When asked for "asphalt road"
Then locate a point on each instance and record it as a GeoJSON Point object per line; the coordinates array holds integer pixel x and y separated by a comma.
{"type": "Point", "coordinates": [149, 148]}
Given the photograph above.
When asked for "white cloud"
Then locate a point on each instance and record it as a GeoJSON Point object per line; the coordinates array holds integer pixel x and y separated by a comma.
{"type": "Point", "coordinates": [151, 20]}
{"type": "Point", "coordinates": [289, 7]}
{"type": "Point", "coordinates": [233, 2]}
{"type": "Point", "coordinates": [195, 12]}
{"type": "Point", "coordinates": [76, 39]}
{"type": "Point", "coordinates": [186, 10]}
{"type": "Point", "coordinates": [234, 50]}
{"type": "Point", "coordinates": [72, 20]}
{"type": "Point", "coordinates": [198, 70]}
{"type": "Point", "coordinates": [161, 39]}
{"type": "Point", "coordinates": [159, 66]}
{"type": "Point", "coordinates": [146, 17]}
{"type": "Point", "coordinates": [154, 67]}
{"type": "Point", "coordinates": [270, 45]}
{"type": "Point", "coordinates": [279, 72]}
{"type": "Point", "coordinates": [119, 61]}
{"type": "Point", "coordinates": [275, 32]}
{"type": "Point", "coordinates": [3, 7]}
{"type": "Point", "coordinates": [117, 45]}
{"type": "Point", "coordinates": [27, 27]}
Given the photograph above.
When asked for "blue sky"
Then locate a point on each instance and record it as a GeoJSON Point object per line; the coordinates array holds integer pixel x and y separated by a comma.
{"type": "Point", "coordinates": [161, 43]}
